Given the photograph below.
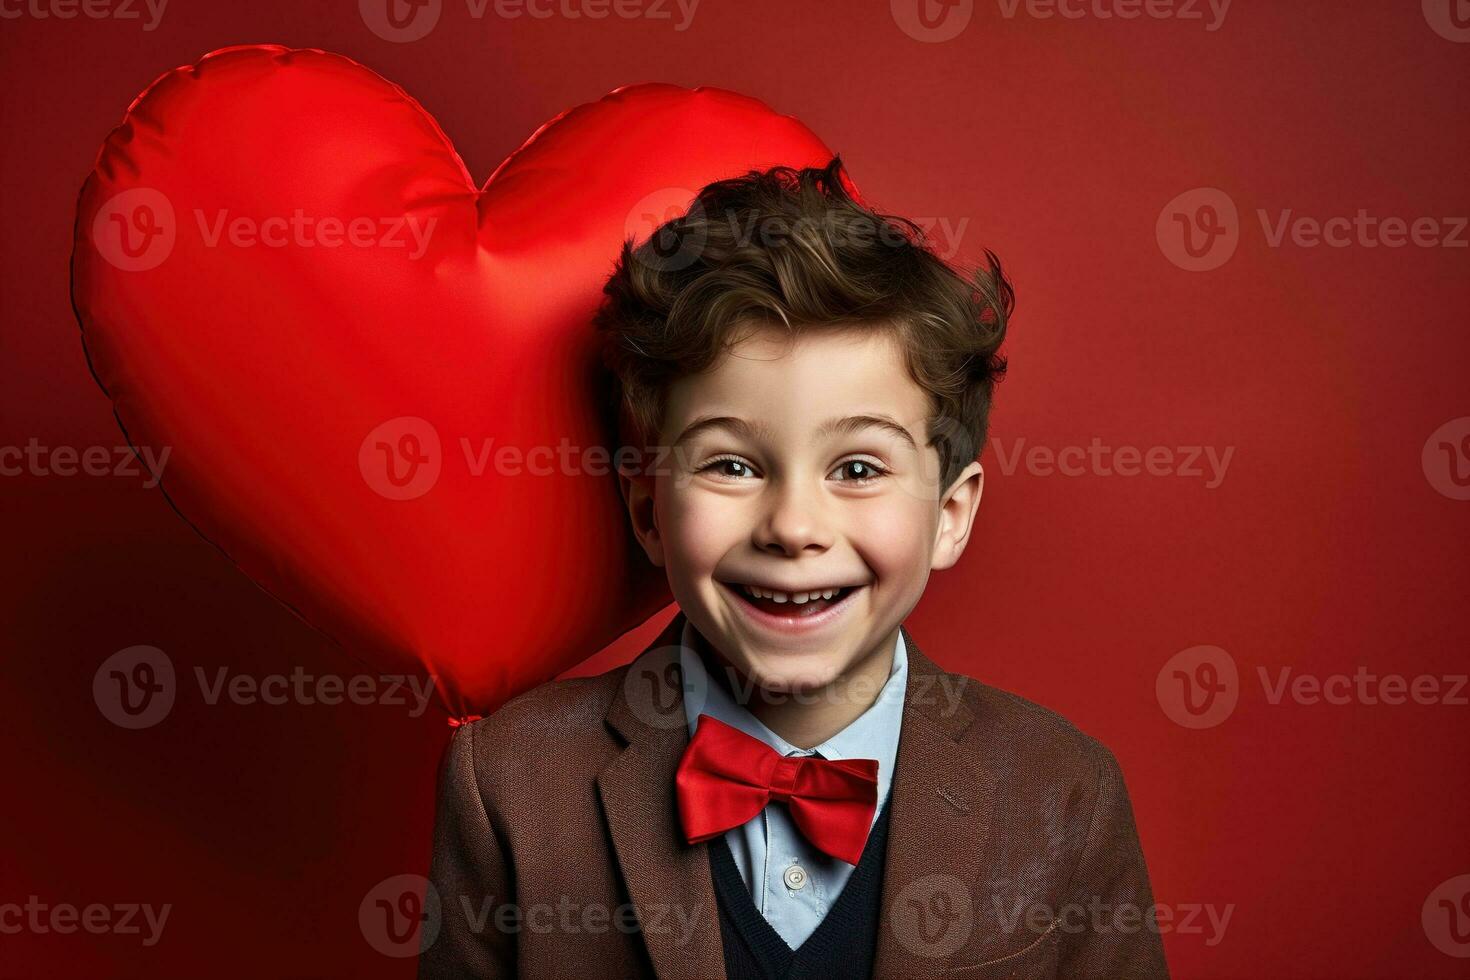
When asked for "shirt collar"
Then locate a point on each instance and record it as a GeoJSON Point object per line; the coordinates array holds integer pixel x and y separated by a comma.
{"type": "Point", "coordinates": [872, 735]}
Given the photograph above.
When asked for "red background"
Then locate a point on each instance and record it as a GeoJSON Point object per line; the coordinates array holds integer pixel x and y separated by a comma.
{"type": "Point", "coordinates": [1325, 548]}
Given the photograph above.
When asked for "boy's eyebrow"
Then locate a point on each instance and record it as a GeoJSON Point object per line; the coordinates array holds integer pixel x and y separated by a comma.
{"type": "Point", "coordinates": [736, 425]}
{"type": "Point", "coordinates": [752, 431]}
{"type": "Point", "coordinates": [854, 422]}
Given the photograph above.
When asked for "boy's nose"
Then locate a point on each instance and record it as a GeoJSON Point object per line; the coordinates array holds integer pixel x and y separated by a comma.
{"type": "Point", "coordinates": [793, 522]}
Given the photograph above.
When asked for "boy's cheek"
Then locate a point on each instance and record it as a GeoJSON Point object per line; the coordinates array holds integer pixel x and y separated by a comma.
{"type": "Point", "coordinates": [895, 539]}
{"type": "Point", "coordinates": [698, 529]}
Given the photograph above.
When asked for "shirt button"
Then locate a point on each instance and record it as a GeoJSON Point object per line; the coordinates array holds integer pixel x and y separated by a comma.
{"type": "Point", "coordinates": [795, 877]}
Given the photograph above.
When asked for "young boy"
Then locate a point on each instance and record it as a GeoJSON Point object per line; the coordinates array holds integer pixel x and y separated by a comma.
{"type": "Point", "coordinates": [783, 784]}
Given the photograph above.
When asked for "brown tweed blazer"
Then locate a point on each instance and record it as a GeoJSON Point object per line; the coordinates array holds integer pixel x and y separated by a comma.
{"type": "Point", "coordinates": [1012, 850]}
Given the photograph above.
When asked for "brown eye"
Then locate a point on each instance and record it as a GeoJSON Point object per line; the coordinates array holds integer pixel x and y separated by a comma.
{"type": "Point", "coordinates": [735, 469]}
{"type": "Point", "coordinates": [858, 471]}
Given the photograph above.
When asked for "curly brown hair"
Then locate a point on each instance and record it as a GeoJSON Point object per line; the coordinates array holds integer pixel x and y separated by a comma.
{"type": "Point", "coordinates": [794, 247]}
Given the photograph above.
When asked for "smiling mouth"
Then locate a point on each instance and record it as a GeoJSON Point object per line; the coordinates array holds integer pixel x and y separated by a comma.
{"type": "Point", "coordinates": [792, 605]}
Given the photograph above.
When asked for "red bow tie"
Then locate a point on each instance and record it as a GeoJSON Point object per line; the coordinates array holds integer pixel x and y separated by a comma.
{"type": "Point", "coordinates": [726, 777]}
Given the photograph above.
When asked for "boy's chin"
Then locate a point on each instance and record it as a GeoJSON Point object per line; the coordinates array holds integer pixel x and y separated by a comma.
{"type": "Point", "coordinates": [785, 673]}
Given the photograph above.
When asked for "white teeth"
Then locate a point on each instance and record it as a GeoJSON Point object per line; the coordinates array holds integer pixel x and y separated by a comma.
{"type": "Point", "coordinates": [796, 598]}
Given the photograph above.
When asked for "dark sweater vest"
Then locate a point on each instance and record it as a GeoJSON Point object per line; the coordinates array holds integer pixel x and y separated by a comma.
{"type": "Point", "coordinates": [843, 945]}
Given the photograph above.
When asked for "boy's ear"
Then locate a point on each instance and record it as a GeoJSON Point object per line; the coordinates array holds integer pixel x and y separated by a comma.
{"type": "Point", "coordinates": [957, 515]}
{"type": "Point", "coordinates": [638, 496]}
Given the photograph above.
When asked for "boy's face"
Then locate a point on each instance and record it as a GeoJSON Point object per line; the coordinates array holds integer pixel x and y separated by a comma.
{"type": "Point", "coordinates": [785, 480]}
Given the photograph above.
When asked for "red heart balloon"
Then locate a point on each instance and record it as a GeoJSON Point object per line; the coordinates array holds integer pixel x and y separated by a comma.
{"type": "Point", "coordinates": [376, 383]}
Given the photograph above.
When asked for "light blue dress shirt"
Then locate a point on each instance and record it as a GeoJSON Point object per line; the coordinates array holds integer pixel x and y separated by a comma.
{"type": "Point", "coordinates": [767, 848]}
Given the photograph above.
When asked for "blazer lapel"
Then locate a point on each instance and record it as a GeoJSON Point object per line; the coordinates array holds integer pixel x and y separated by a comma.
{"type": "Point", "coordinates": [668, 880]}
{"type": "Point", "coordinates": [940, 819]}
